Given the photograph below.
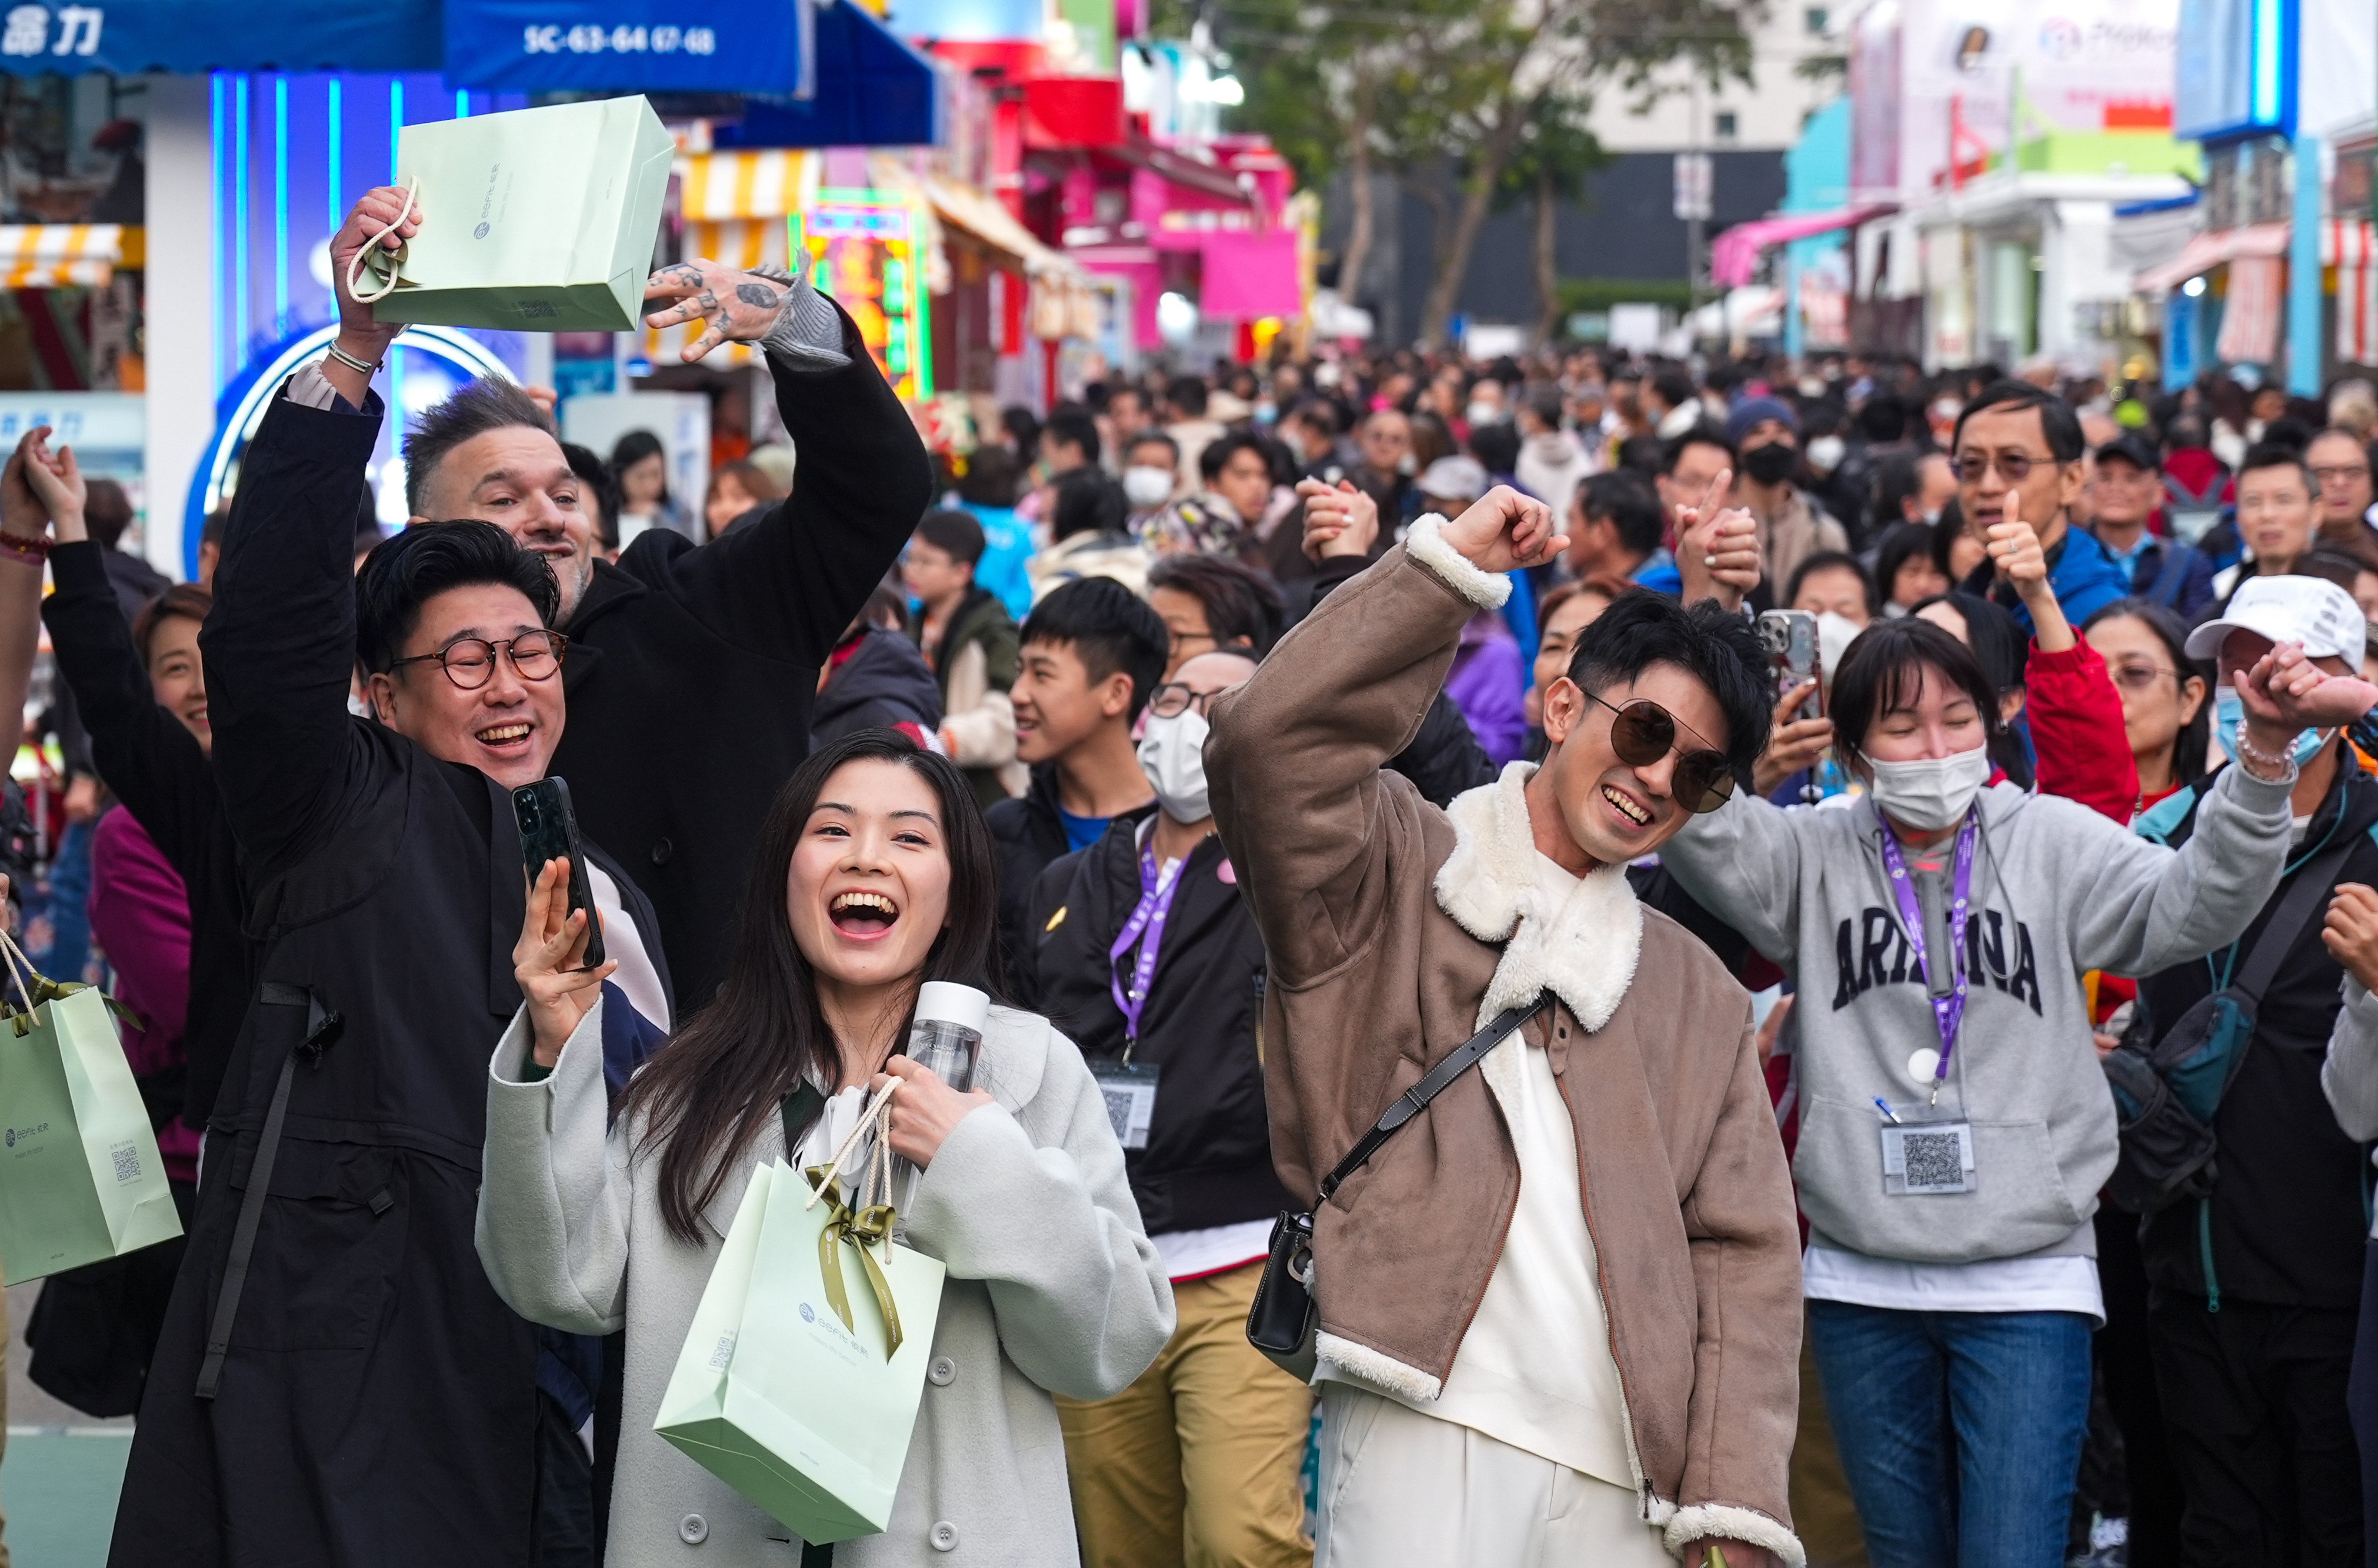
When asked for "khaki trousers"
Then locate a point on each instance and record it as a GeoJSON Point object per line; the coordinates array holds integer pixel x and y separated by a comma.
{"type": "Point", "coordinates": [1200, 1463]}
{"type": "Point", "coordinates": [1400, 1489]}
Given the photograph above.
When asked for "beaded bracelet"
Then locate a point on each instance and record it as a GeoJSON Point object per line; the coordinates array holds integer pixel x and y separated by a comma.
{"type": "Point", "coordinates": [33, 552]}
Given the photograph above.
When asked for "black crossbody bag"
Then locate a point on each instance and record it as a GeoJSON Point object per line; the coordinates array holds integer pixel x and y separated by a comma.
{"type": "Point", "coordinates": [1281, 1321]}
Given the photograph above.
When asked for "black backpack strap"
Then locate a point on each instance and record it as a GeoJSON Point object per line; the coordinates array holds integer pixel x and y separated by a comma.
{"type": "Point", "coordinates": [1415, 1099]}
{"type": "Point", "coordinates": [2173, 575]}
{"type": "Point", "coordinates": [2309, 891]}
{"type": "Point", "coordinates": [322, 1027]}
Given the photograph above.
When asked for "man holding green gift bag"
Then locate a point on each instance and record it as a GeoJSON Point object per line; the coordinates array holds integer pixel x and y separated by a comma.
{"type": "Point", "coordinates": [691, 670]}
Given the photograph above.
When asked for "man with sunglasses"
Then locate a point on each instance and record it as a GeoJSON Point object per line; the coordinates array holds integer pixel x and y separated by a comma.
{"type": "Point", "coordinates": [2017, 451]}
{"type": "Point", "coordinates": [1509, 1373]}
{"type": "Point", "coordinates": [336, 1382]}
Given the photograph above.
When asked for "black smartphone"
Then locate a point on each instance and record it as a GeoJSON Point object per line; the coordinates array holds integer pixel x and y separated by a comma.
{"type": "Point", "coordinates": [548, 830]}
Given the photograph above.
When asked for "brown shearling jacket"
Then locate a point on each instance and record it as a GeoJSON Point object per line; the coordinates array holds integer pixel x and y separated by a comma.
{"type": "Point", "coordinates": [1393, 930]}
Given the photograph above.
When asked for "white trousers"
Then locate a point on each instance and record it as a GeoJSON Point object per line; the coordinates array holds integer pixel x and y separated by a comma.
{"type": "Point", "coordinates": [1400, 1489]}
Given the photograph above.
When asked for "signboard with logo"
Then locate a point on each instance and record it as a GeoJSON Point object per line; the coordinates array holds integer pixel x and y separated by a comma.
{"type": "Point", "coordinates": [1943, 90]}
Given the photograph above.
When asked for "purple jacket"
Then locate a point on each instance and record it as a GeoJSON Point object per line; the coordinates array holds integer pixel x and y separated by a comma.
{"type": "Point", "coordinates": [1489, 686]}
{"type": "Point", "coordinates": [140, 913]}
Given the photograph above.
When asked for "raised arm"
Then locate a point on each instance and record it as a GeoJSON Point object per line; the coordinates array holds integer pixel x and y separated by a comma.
{"type": "Point", "coordinates": [22, 526]}
{"type": "Point", "coordinates": [787, 586]}
{"type": "Point", "coordinates": [1295, 756]}
{"type": "Point", "coordinates": [152, 763]}
{"type": "Point", "coordinates": [279, 644]}
{"type": "Point", "coordinates": [1743, 862]}
{"type": "Point", "coordinates": [2149, 908]}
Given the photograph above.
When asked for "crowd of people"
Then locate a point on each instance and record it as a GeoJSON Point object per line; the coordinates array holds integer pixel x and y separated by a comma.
{"type": "Point", "coordinates": [1804, 935]}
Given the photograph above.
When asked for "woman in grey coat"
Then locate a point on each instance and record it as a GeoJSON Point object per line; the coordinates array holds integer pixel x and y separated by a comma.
{"type": "Point", "coordinates": [872, 875]}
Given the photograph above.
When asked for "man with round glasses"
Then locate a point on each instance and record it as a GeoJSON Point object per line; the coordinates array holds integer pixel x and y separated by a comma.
{"type": "Point", "coordinates": [1558, 1311]}
{"type": "Point", "coordinates": [2016, 452]}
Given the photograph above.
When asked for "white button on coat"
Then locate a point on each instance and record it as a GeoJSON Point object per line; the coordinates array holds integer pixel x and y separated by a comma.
{"type": "Point", "coordinates": [944, 1537]}
{"type": "Point", "coordinates": [694, 1529]}
{"type": "Point", "coordinates": [942, 1373]}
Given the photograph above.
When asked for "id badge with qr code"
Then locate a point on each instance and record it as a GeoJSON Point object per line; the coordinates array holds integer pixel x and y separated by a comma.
{"type": "Point", "coordinates": [1129, 1089]}
{"type": "Point", "coordinates": [1925, 1158]}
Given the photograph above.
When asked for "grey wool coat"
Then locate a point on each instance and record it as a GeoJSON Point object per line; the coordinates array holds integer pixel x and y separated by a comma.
{"type": "Point", "coordinates": [1054, 1287]}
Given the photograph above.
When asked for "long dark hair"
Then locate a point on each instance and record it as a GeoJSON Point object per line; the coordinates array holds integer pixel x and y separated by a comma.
{"type": "Point", "coordinates": [722, 1077]}
{"type": "Point", "coordinates": [2190, 747]}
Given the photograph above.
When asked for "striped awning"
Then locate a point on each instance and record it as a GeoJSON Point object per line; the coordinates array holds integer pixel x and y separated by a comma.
{"type": "Point", "coordinates": [742, 243]}
{"type": "Point", "coordinates": [44, 255]}
{"type": "Point", "coordinates": [763, 183]}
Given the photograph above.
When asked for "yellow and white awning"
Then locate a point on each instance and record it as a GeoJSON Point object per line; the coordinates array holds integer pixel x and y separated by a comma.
{"type": "Point", "coordinates": [44, 255]}
{"type": "Point", "coordinates": [765, 182]}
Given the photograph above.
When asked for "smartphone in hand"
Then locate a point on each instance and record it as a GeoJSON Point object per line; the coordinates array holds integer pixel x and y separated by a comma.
{"type": "Point", "coordinates": [548, 830]}
{"type": "Point", "coordinates": [1790, 637]}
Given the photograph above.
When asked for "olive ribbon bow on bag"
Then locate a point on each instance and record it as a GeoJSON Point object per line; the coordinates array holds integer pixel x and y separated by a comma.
{"type": "Point", "coordinates": [45, 990]}
{"type": "Point", "coordinates": [867, 1225]}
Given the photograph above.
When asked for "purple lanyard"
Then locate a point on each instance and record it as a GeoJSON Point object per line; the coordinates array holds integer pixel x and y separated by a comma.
{"type": "Point", "coordinates": [1948, 1011]}
{"type": "Point", "coordinates": [1147, 922]}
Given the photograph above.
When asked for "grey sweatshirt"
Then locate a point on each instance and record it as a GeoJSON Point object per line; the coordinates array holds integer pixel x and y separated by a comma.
{"type": "Point", "coordinates": [2058, 889]}
{"type": "Point", "coordinates": [2350, 1074]}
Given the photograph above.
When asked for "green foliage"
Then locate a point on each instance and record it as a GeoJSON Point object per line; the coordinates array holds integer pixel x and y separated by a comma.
{"type": "Point", "coordinates": [1600, 293]}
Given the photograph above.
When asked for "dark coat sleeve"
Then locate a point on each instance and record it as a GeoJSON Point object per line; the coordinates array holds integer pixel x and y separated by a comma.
{"type": "Point", "coordinates": [154, 765]}
{"type": "Point", "coordinates": [279, 644]}
{"type": "Point", "coordinates": [788, 586]}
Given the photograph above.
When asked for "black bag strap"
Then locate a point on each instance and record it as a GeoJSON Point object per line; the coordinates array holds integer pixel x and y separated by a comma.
{"type": "Point", "coordinates": [2313, 883]}
{"type": "Point", "coordinates": [322, 1027]}
{"type": "Point", "coordinates": [2173, 577]}
{"type": "Point", "coordinates": [1414, 1100]}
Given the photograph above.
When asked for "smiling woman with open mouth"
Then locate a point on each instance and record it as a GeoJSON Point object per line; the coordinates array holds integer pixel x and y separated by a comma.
{"type": "Point", "coordinates": [873, 876]}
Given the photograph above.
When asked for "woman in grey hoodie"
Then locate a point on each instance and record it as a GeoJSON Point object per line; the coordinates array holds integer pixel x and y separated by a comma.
{"type": "Point", "coordinates": [1955, 1126]}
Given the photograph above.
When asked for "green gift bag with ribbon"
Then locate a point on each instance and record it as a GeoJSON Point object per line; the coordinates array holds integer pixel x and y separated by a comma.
{"type": "Point", "coordinates": [80, 1179]}
{"type": "Point", "coordinates": [531, 220]}
{"type": "Point", "coordinates": [805, 1363]}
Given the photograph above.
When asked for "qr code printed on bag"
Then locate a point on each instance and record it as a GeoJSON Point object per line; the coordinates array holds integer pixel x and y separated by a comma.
{"type": "Point", "coordinates": [1935, 1162]}
{"type": "Point", "coordinates": [1119, 1101]}
{"type": "Point", "coordinates": [128, 1162]}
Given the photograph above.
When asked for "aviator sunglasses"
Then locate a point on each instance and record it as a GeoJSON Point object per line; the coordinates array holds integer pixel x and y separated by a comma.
{"type": "Point", "coordinates": [1642, 732]}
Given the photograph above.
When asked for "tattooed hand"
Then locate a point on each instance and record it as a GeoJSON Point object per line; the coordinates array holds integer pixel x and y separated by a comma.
{"type": "Point", "coordinates": [735, 307]}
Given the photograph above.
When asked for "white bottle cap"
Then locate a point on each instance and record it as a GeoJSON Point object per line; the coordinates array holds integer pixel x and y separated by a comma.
{"type": "Point", "coordinates": [946, 1003]}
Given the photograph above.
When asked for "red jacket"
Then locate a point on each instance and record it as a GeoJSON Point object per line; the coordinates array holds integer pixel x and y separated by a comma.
{"type": "Point", "coordinates": [2077, 734]}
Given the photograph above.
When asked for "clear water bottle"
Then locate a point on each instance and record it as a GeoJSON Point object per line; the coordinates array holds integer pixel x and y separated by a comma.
{"type": "Point", "coordinates": [947, 1038]}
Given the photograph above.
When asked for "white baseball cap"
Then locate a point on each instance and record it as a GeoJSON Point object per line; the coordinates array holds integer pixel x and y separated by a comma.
{"type": "Point", "coordinates": [1454, 479]}
{"type": "Point", "coordinates": [2309, 610]}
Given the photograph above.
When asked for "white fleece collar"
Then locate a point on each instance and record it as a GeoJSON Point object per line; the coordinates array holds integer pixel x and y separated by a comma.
{"type": "Point", "coordinates": [1583, 952]}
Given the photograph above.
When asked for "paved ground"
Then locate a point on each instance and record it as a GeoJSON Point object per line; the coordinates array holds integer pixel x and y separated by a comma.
{"type": "Point", "coordinates": [62, 1470]}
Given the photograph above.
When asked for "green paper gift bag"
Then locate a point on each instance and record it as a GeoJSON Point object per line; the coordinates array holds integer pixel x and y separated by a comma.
{"type": "Point", "coordinates": [806, 1417]}
{"type": "Point", "coordinates": [535, 219]}
{"type": "Point", "coordinates": [80, 1179]}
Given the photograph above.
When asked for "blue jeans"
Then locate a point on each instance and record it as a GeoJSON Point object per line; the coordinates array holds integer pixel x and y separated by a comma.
{"type": "Point", "coordinates": [69, 953]}
{"type": "Point", "coordinates": [1960, 1432]}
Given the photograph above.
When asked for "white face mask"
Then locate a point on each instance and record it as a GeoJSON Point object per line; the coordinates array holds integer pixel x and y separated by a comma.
{"type": "Point", "coordinates": [1825, 453]}
{"type": "Point", "coordinates": [1144, 486]}
{"type": "Point", "coordinates": [1933, 793]}
{"type": "Point", "coordinates": [1172, 755]}
{"type": "Point", "coordinates": [1483, 413]}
